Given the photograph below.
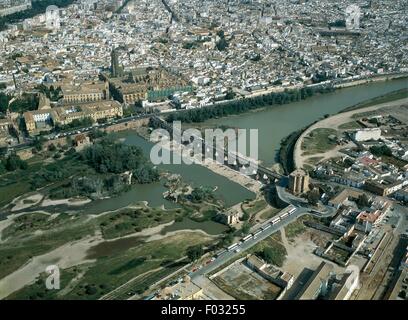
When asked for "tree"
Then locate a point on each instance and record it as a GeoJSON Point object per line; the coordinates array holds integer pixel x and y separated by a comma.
{"type": "Point", "coordinates": [363, 201]}
{"type": "Point", "coordinates": [4, 101]}
{"type": "Point", "coordinates": [379, 151]}
{"type": "Point", "coordinates": [245, 216]}
{"type": "Point", "coordinates": [195, 252]}
{"type": "Point", "coordinates": [13, 162]}
{"type": "Point", "coordinates": [38, 143]}
{"type": "Point", "coordinates": [245, 228]}
{"type": "Point", "coordinates": [201, 194]}
{"type": "Point", "coordinates": [275, 255]}
{"type": "Point", "coordinates": [222, 44]}
{"type": "Point", "coordinates": [313, 197]}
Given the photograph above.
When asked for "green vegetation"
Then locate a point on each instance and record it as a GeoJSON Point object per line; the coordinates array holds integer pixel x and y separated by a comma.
{"type": "Point", "coordinates": [127, 221]}
{"type": "Point", "coordinates": [29, 223]}
{"type": "Point", "coordinates": [195, 252]}
{"type": "Point", "coordinates": [108, 156]}
{"type": "Point", "coordinates": [145, 263]}
{"type": "Point", "coordinates": [275, 256]}
{"type": "Point", "coordinates": [270, 213]}
{"type": "Point", "coordinates": [254, 207]}
{"type": "Point", "coordinates": [26, 102]}
{"type": "Point", "coordinates": [12, 163]}
{"type": "Point", "coordinates": [287, 146]}
{"type": "Point", "coordinates": [350, 125]}
{"type": "Point", "coordinates": [221, 44]}
{"type": "Point", "coordinates": [22, 244]}
{"type": "Point", "coordinates": [399, 163]}
{"type": "Point", "coordinates": [395, 95]}
{"type": "Point", "coordinates": [157, 255]}
{"type": "Point", "coordinates": [363, 201]}
{"type": "Point", "coordinates": [76, 123]}
{"type": "Point", "coordinates": [4, 101]}
{"type": "Point", "coordinates": [318, 141]}
{"type": "Point", "coordinates": [296, 228]}
{"type": "Point", "coordinates": [95, 172]}
{"type": "Point", "coordinates": [106, 161]}
{"type": "Point", "coordinates": [313, 197]}
{"type": "Point", "coordinates": [201, 194]}
{"type": "Point", "coordinates": [54, 94]}
{"type": "Point", "coordinates": [38, 290]}
{"type": "Point", "coordinates": [245, 105]}
{"type": "Point", "coordinates": [338, 23]}
{"type": "Point", "coordinates": [380, 151]}
{"type": "Point", "coordinates": [271, 251]}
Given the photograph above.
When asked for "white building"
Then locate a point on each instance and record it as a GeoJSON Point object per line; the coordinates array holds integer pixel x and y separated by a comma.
{"type": "Point", "coordinates": [367, 134]}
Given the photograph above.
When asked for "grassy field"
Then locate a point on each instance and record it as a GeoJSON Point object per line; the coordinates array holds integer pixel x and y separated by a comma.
{"type": "Point", "coordinates": [318, 141]}
{"type": "Point", "coordinates": [112, 269]}
{"type": "Point", "coordinates": [19, 248]}
{"type": "Point", "coordinates": [350, 125]}
{"type": "Point", "coordinates": [118, 224]}
{"type": "Point", "coordinates": [116, 269]}
{"type": "Point", "coordinates": [19, 182]}
{"type": "Point", "coordinates": [314, 160]}
{"type": "Point", "coordinates": [253, 207]}
{"type": "Point", "coordinates": [270, 213]}
{"type": "Point", "coordinates": [296, 228]}
{"type": "Point", "coordinates": [38, 290]}
{"type": "Point", "coordinates": [29, 223]}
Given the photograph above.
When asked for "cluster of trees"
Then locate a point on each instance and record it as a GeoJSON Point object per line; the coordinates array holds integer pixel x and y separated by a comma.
{"type": "Point", "coordinates": [92, 186]}
{"type": "Point", "coordinates": [76, 123]}
{"type": "Point", "coordinates": [313, 196]}
{"type": "Point", "coordinates": [275, 256]}
{"type": "Point", "coordinates": [195, 252]}
{"type": "Point", "coordinates": [108, 156]}
{"type": "Point", "coordinates": [379, 151]}
{"type": "Point", "coordinates": [201, 194]}
{"type": "Point", "coordinates": [27, 102]}
{"type": "Point", "coordinates": [4, 101]}
{"type": "Point", "coordinates": [11, 163]}
{"type": "Point", "coordinates": [38, 7]}
{"type": "Point", "coordinates": [49, 174]}
{"type": "Point", "coordinates": [54, 94]}
{"type": "Point", "coordinates": [221, 44]}
{"type": "Point", "coordinates": [338, 24]}
{"type": "Point", "coordinates": [363, 201]}
{"type": "Point", "coordinates": [245, 105]}
{"type": "Point", "coordinates": [97, 170]}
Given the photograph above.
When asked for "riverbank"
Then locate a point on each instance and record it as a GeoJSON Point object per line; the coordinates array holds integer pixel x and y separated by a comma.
{"type": "Point", "coordinates": [276, 96]}
{"type": "Point", "coordinates": [220, 169]}
{"type": "Point", "coordinates": [334, 122]}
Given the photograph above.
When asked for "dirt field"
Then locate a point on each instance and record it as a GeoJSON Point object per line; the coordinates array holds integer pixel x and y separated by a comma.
{"type": "Point", "coordinates": [300, 251]}
{"type": "Point", "coordinates": [242, 283]}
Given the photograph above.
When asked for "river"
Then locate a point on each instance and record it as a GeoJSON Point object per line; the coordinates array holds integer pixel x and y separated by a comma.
{"type": "Point", "coordinates": [277, 122]}
{"type": "Point", "coordinates": [274, 124]}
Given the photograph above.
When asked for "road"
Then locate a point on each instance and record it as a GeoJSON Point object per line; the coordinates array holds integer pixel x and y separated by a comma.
{"type": "Point", "coordinates": [228, 255]}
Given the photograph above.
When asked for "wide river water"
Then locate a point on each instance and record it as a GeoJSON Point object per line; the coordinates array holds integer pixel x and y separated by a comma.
{"type": "Point", "coordinates": [274, 124]}
{"type": "Point", "coordinates": [277, 122]}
